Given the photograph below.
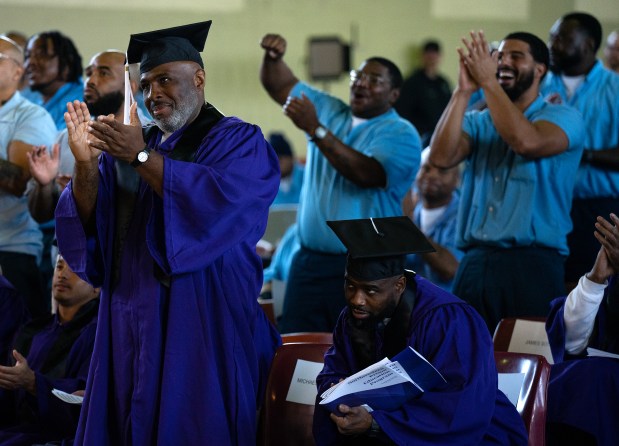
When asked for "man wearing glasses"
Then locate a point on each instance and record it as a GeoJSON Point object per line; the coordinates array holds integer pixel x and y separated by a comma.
{"type": "Point", "coordinates": [361, 159]}
{"type": "Point", "coordinates": [53, 71]}
{"type": "Point", "coordinates": [22, 126]}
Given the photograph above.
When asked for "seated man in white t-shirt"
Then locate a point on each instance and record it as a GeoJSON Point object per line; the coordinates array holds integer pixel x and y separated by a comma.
{"type": "Point", "coordinates": [435, 214]}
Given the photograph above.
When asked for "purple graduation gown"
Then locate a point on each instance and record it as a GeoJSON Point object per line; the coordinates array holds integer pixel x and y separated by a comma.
{"type": "Point", "coordinates": [13, 314]}
{"type": "Point", "coordinates": [584, 391]}
{"type": "Point", "coordinates": [53, 419]}
{"type": "Point", "coordinates": [185, 364]}
{"type": "Point", "coordinates": [468, 410]}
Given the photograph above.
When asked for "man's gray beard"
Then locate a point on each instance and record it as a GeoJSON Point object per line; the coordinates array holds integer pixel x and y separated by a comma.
{"type": "Point", "coordinates": [180, 115]}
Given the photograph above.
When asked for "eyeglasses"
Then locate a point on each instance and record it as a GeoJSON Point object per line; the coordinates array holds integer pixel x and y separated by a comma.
{"type": "Point", "coordinates": [7, 57]}
{"type": "Point", "coordinates": [372, 79]}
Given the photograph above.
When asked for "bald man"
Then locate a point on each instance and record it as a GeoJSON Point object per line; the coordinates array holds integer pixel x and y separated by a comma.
{"type": "Point", "coordinates": [104, 95]}
{"type": "Point", "coordinates": [611, 51]}
{"type": "Point", "coordinates": [22, 125]}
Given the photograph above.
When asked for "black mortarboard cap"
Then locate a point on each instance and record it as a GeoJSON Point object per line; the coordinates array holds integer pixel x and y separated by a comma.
{"type": "Point", "coordinates": [180, 43]}
{"type": "Point", "coordinates": [377, 247]}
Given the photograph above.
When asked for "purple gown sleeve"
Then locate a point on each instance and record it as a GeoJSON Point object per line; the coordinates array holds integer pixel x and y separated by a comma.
{"type": "Point", "coordinates": [212, 204]}
{"type": "Point", "coordinates": [52, 411]}
{"type": "Point", "coordinates": [83, 251]}
{"type": "Point", "coordinates": [555, 328]}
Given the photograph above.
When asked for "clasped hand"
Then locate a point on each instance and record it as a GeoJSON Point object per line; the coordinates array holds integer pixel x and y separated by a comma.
{"type": "Point", "coordinates": [355, 420]}
{"type": "Point", "coordinates": [477, 65]}
{"type": "Point", "coordinates": [88, 138]}
{"type": "Point", "coordinates": [607, 262]}
{"type": "Point", "coordinates": [302, 113]}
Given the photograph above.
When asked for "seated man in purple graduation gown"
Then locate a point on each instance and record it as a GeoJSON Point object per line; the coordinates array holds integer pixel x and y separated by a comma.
{"type": "Point", "coordinates": [52, 352]}
{"type": "Point", "coordinates": [183, 349]}
{"type": "Point", "coordinates": [389, 309]}
{"type": "Point", "coordinates": [583, 396]}
{"type": "Point", "coordinates": [13, 313]}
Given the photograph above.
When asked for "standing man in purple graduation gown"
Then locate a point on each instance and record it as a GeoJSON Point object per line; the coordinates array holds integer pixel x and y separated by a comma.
{"type": "Point", "coordinates": [389, 309]}
{"type": "Point", "coordinates": [167, 223]}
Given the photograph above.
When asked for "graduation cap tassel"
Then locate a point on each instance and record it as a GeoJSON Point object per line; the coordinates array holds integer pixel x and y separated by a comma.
{"type": "Point", "coordinates": [382, 234]}
{"type": "Point", "coordinates": [128, 96]}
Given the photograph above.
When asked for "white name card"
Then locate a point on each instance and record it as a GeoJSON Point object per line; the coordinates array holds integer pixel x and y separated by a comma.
{"type": "Point", "coordinates": [530, 337]}
{"type": "Point", "coordinates": [302, 388]}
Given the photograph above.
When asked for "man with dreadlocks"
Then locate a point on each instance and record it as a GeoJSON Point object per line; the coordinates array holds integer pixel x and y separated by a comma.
{"type": "Point", "coordinates": [53, 72]}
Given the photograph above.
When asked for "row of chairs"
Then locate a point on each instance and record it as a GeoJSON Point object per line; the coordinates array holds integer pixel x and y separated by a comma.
{"type": "Point", "coordinates": [285, 422]}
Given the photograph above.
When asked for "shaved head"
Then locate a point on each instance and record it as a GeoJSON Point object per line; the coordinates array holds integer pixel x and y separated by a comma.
{"type": "Point", "coordinates": [11, 49]}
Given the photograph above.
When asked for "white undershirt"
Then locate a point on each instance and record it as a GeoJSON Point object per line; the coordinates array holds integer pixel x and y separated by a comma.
{"type": "Point", "coordinates": [581, 307]}
{"type": "Point", "coordinates": [572, 83]}
{"type": "Point", "coordinates": [429, 218]}
{"type": "Point", "coordinates": [357, 121]}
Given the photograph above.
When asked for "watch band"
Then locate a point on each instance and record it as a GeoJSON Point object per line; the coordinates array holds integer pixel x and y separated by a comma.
{"type": "Point", "coordinates": [141, 157]}
{"type": "Point", "coordinates": [319, 133]}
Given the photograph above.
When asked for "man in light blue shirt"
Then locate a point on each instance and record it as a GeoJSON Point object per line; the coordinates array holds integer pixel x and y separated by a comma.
{"type": "Point", "coordinates": [521, 156]}
{"type": "Point", "coordinates": [361, 159]}
{"type": "Point", "coordinates": [53, 71]}
{"type": "Point", "coordinates": [291, 170]}
{"type": "Point", "coordinates": [22, 126]}
{"type": "Point", "coordinates": [435, 213]}
{"type": "Point", "coordinates": [580, 80]}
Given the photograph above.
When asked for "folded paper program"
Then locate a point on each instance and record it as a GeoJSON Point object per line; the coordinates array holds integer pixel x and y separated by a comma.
{"type": "Point", "coordinates": [385, 385]}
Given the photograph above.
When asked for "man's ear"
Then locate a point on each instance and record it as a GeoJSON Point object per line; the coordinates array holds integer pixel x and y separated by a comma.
{"type": "Point", "coordinates": [19, 72]}
{"type": "Point", "coordinates": [394, 95]}
{"type": "Point", "coordinates": [590, 45]}
{"type": "Point", "coordinates": [199, 78]}
{"type": "Point", "coordinates": [540, 70]}
{"type": "Point", "coordinates": [400, 284]}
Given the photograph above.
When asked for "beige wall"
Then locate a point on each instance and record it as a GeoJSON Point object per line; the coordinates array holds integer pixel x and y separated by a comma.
{"type": "Point", "coordinates": [390, 28]}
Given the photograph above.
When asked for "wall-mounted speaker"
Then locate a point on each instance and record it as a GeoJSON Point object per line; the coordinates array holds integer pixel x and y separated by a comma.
{"type": "Point", "coordinates": [329, 57]}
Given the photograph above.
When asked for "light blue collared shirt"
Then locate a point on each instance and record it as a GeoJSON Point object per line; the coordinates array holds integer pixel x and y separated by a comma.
{"type": "Point", "coordinates": [327, 195]}
{"type": "Point", "coordinates": [21, 120]}
{"type": "Point", "coordinates": [508, 200]}
{"type": "Point", "coordinates": [597, 99]}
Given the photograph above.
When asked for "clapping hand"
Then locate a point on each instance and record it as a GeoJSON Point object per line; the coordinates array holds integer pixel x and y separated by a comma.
{"type": "Point", "coordinates": [477, 64]}
{"type": "Point", "coordinates": [607, 234]}
{"type": "Point", "coordinates": [77, 118]}
{"type": "Point", "coordinates": [43, 167]}
{"type": "Point", "coordinates": [20, 376]}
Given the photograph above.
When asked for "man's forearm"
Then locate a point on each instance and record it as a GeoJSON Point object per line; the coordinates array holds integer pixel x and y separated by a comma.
{"type": "Point", "coordinates": [85, 188]}
{"type": "Point", "coordinates": [443, 262]}
{"type": "Point", "coordinates": [524, 137]}
{"type": "Point", "coordinates": [277, 78]}
{"type": "Point", "coordinates": [604, 159]}
{"type": "Point", "coordinates": [447, 148]}
{"type": "Point", "coordinates": [362, 170]}
{"type": "Point", "coordinates": [579, 311]}
{"type": "Point", "coordinates": [42, 201]}
{"type": "Point", "coordinates": [12, 178]}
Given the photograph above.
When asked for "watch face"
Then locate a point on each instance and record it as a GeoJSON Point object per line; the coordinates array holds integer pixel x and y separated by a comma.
{"type": "Point", "coordinates": [321, 132]}
{"type": "Point", "coordinates": [142, 156]}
